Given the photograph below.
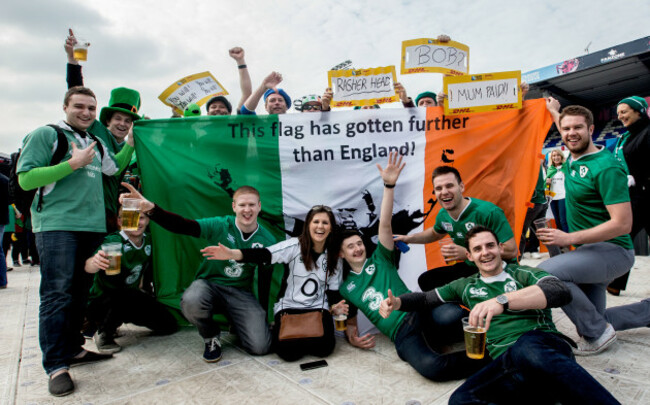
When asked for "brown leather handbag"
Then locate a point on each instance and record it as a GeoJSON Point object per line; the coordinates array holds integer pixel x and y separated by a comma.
{"type": "Point", "coordinates": [302, 326]}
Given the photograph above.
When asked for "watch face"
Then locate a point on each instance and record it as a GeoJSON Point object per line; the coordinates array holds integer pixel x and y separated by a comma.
{"type": "Point", "coordinates": [502, 299]}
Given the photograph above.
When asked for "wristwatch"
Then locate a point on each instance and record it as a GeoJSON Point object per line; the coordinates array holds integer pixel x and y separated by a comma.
{"type": "Point", "coordinates": [503, 300]}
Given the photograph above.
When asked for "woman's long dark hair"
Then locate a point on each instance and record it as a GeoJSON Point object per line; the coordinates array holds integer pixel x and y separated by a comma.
{"type": "Point", "coordinates": [306, 244]}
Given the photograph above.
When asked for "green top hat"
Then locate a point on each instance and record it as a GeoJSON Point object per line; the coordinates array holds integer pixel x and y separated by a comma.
{"type": "Point", "coordinates": [122, 100]}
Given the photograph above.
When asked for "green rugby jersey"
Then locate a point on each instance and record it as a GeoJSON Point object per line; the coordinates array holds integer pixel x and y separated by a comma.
{"type": "Point", "coordinates": [506, 328]}
{"type": "Point", "coordinates": [230, 272]}
{"type": "Point", "coordinates": [592, 182]}
{"type": "Point", "coordinates": [366, 290]}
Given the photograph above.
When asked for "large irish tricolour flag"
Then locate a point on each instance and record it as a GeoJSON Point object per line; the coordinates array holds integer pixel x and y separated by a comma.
{"type": "Point", "coordinates": [191, 166]}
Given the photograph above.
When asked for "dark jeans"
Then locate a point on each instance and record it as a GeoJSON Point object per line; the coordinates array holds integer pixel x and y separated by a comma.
{"type": "Point", "coordinates": [538, 211]}
{"type": "Point", "coordinates": [440, 276]}
{"type": "Point", "coordinates": [294, 349]}
{"type": "Point", "coordinates": [559, 213]}
{"type": "Point", "coordinates": [412, 347]}
{"type": "Point", "coordinates": [203, 298]}
{"type": "Point", "coordinates": [129, 305]}
{"type": "Point", "coordinates": [3, 262]}
{"type": "Point", "coordinates": [64, 293]}
{"type": "Point", "coordinates": [539, 367]}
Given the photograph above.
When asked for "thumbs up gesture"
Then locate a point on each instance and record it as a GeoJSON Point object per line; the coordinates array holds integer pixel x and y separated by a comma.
{"type": "Point", "coordinates": [81, 157]}
{"type": "Point", "coordinates": [390, 304]}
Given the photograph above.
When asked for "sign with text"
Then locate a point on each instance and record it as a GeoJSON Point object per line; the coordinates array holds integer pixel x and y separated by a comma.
{"type": "Point", "coordinates": [482, 92]}
{"type": "Point", "coordinates": [432, 56]}
{"type": "Point", "coordinates": [359, 87]}
{"type": "Point", "coordinates": [197, 88]}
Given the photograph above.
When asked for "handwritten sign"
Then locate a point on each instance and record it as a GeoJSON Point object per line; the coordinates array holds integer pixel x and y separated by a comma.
{"type": "Point", "coordinates": [482, 92]}
{"type": "Point", "coordinates": [197, 88]}
{"type": "Point", "coordinates": [432, 56]}
{"type": "Point", "coordinates": [361, 87]}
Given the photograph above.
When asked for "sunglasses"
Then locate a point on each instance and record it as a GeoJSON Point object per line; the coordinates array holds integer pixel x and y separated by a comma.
{"type": "Point", "coordinates": [321, 208]}
{"type": "Point", "coordinates": [309, 107]}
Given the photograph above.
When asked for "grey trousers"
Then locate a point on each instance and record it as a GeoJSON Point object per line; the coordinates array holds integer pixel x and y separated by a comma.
{"type": "Point", "coordinates": [629, 316]}
{"type": "Point", "coordinates": [587, 271]}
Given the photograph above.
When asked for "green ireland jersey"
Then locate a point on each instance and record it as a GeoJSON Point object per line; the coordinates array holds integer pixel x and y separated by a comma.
{"type": "Point", "coordinates": [230, 272]}
{"type": "Point", "coordinates": [71, 203]}
{"type": "Point", "coordinates": [136, 260]}
{"type": "Point", "coordinates": [592, 182]}
{"type": "Point", "coordinates": [506, 328]}
{"type": "Point", "coordinates": [366, 290]}
{"type": "Point", "coordinates": [111, 184]}
{"type": "Point", "coordinates": [538, 196]}
{"type": "Point", "coordinates": [477, 212]}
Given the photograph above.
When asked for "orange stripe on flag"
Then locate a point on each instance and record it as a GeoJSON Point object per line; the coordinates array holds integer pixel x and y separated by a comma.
{"type": "Point", "coordinates": [495, 153]}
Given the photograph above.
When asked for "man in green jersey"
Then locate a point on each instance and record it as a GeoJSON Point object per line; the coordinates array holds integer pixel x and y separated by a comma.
{"type": "Point", "coordinates": [222, 287]}
{"type": "Point", "coordinates": [599, 216]}
{"type": "Point", "coordinates": [117, 298]}
{"type": "Point", "coordinates": [69, 223]}
{"type": "Point", "coordinates": [457, 215]}
{"type": "Point", "coordinates": [532, 359]}
{"type": "Point", "coordinates": [366, 283]}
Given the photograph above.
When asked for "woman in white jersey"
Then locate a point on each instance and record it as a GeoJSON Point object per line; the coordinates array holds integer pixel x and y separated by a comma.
{"type": "Point", "coordinates": [555, 179]}
{"type": "Point", "coordinates": [312, 280]}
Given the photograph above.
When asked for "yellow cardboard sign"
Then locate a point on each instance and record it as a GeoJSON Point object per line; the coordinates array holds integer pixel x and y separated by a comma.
{"type": "Point", "coordinates": [197, 88]}
{"type": "Point", "coordinates": [426, 55]}
{"type": "Point", "coordinates": [359, 87]}
{"type": "Point", "coordinates": [482, 92]}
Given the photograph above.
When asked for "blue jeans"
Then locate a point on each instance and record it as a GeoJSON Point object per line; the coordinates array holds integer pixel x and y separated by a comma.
{"type": "Point", "coordinates": [539, 367]}
{"type": "Point", "coordinates": [559, 213]}
{"type": "Point", "coordinates": [203, 298]}
{"type": "Point", "coordinates": [3, 262]}
{"type": "Point", "coordinates": [64, 293]}
{"type": "Point", "coordinates": [411, 345]}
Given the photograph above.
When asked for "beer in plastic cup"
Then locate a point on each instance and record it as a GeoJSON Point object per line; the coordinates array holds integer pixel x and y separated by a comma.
{"type": "Point", "coordinates": [339, 321]}
{"type": "Point", "coordinates": [114, 253]}
{"type": "Point", "coordinates": [542, 223]}
{"type": "Point", "coordinates": [80, 50]}
{"type": "Point", "coordinates": [443, 242]}
{"type": "Point", "coordinates": [474, 340]}
{"type": "Point", "coordinates": [130, 214]}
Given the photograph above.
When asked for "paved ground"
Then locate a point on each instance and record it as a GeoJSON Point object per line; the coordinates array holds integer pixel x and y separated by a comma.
{"type": "Point", "coordinates": [169, 370]}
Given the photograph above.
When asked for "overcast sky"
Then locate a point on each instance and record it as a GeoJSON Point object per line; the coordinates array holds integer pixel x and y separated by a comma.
{"type": "Point", "coordinates": [147, 45]}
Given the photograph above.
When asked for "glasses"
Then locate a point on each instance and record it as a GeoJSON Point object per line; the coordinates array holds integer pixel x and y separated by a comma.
{"type": "Point", "coordinates": [309, 107]}
{"type": "Point", "coordinates": [321, 208]}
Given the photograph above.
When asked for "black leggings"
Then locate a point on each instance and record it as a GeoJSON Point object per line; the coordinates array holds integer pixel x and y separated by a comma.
{"type": "Point", "coordinates": [294, 349]}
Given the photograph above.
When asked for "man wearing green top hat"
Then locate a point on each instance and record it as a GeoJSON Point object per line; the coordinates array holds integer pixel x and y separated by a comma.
{"type": "Point", "coordinates": [115, 122]}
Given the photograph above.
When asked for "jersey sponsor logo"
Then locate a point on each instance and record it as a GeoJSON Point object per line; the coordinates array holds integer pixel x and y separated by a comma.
{"type": "Point", "coordinates": [373, 297]}
{"type": "Point", "coordinates": [126, 247]}
{"type": "Point", "coordinates": [583, 171]}
{"type": "Point", "coordinates": [135, 275]}
{"type": "Point", "coordinates": [460, 235]}
{"type": "Point", "coordinates": [231, 238]}
{"type": "Point", "coordinates": [351, 286]}
{"type": "Point", "coordinates": [510, 286]}
{"type": "Point", "coordinates": [573, 173]}
{"type": "Point", "coordinates": [147, 250]}
{"type": "Point", "coordinates": [370, 269]}
{"type": "Point", "coordinates": [233, 269]}
{"type": "Point", "coordinates": [478, 292]}
{"type": "Point", "coordinates": [256, 245]}
{"type": "Point", "coordinates": [447, 226]}
{"type": "Point", "coordinates": [470, 225]}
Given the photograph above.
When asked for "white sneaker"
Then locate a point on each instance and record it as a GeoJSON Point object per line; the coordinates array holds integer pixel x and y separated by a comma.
{"type": "Point", "coordinates": [595, 346]}
{"type": "Point", "coordinates": [536, 255]}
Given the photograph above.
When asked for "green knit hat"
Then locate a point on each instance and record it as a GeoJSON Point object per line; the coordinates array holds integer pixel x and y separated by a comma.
{"type": "Point", "coordinates": [192, 110]}
{"type": "Point", "coordinates": [426, 94]}
{"type": "Point", "coordinates": [122, 100]}
{"type": "Point", "coordinates": [636, 103]}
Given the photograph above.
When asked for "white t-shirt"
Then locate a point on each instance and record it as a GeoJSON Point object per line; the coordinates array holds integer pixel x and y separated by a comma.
{"type": "Point", "coordinates": [557, 185]}
{"type": "Point", "coordinates": [305, 289]}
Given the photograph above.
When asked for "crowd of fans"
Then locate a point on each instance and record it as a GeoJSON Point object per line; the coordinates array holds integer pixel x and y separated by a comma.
{"type": "Point", "coordinates": [598, 200]}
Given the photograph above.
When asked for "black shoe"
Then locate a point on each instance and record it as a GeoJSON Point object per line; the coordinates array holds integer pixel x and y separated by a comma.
{"type": "Point", "coordinates": [26, 262]}
{"type": "Point", "coordinates": [9, 268]}
{"type": "Point", "coordinates": [89, 357]}
{"type": "Point", "coordinates": [61, 385]}
{"type": "Point", "coordinates": [212, 352]}
{"type": "Point", "coordinates": [105, 342]}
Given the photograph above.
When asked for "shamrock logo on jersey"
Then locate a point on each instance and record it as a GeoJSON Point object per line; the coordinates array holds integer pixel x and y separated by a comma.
{"type": "Point", "coordinates": [147, 250]}
{"type": "Point", "coordinates": [470, 225]}
{"type": "Point", "coordinates": [583, 171]}
{"type": "Point", "coordinates": [234, 269]}
{"type": "Point", "coordinates": [510, 286]}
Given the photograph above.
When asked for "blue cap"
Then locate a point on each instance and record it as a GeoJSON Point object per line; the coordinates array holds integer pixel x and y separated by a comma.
{"type": "Point", "coordinates": [281, 92]}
